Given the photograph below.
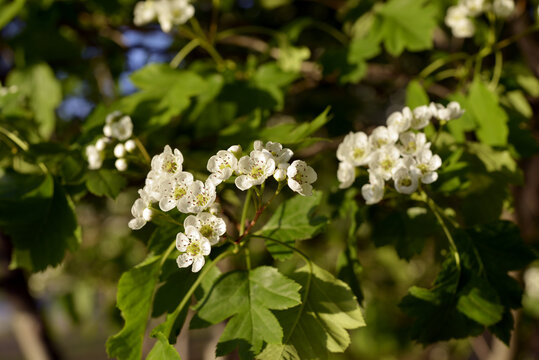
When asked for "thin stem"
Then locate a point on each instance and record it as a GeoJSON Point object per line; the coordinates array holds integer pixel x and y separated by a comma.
{"type": "Point", "coordinates": [143, 151]}
{"type": "Point", "coordinates": [247, 257]}
{"type": "Point", "coordinates": [247, 29]}
{"type": "Point", "coordinates": [23, 145]}
{"type": "Point", "coordinates": [438, 63]}
{"type": "Point", "coordinates": [307, 284]}
{"type": "Point", "coordinates": [244, 211]}
{"type": "Point", "coordinates": [190, 46]}
{"type": "Point", "coordinates": [339, 36]}
{"type": "Point", "coordinates": [497, 73]}
{"type": "Point", "coordinates": [214, 20]}
{"type": "Point", "coordinates": [259, 212]}
{"type": "Point", "coordinates": [193, 287]}
{"type": "Point", "coordinates": [447, 233]}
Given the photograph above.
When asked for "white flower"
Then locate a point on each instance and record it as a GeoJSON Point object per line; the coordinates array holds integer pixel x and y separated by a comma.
{"type": "Point", "coordinates": [276, 150]}
{"type": "Point", "coordinates": [346, 174]}
{"type": "Point", "coordinates": [300, 177]}
{"type": "Point", "coordinates": [385, 161]}
{"type": "Point", "coordinates": [121, 164]}
{"type": "Point", "coordinates": [199, 197]}
{"type": "Point", "coordinates": [173, 189]}
{"type": "Point", "coordinates": [412, 143]}
{"type": "Point", "coordinates": [138, 211]}
{"type": "Point", "coordinates": [422, 116]}
{"type": "Point", "coordinates": [173, 12]}
{"type": "Point", "coordinates": [95, 159]}
{"type": "Point", "coordinates": [355, 149]}
{"type": "Point", "coordinates": [144, 12]}
{"type": "Point", "coordinates": [119, 150]}
{"type": "Point", "coordinates": [457, 19]}
{"type": "Point", "coordinates": [147, 214]}
{"type": "Point", "coordinates": [101, 143]}
{"type": "Point", "coordinates": [222, 166]}
{"type": "Point", "coordinates": [209, 226]}
{"type": "Point", "coordinates": [427, 164]}
{"type": "Point", "coordinates": [118, 126]}
{"type": "Point", "coordinates": [254, 169]}
{"type": "Point", "coordinates": [475, 7]}
{"type": "Point", "coordinates": [406, 177]}
{"type": "Point", "coordinates": [531, 280]}
{"type": "Point", "coordinates": [503, 8]}
{"type": "Point", "coordinates": [400, 121]}
{"type": "Point", "coordinates": [194, 247]}
{"type": "Point", "coordinates": [130, 145]}
{"type": "Point", "coordinates": [373, 192]}
{"type": "Point", "coordinates": [452, 111]}
{"type": "Point", "coordinates": [168, 163]}
{"type": "Point", "coordinates": [382, 136]}
{"type": "Point", "coordinates": [280, 172]}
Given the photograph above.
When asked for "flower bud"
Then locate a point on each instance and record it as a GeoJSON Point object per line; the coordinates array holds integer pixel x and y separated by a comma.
{"type": "Point", "coordinates": [119, 150]}
{"type": "Point", "coordinates": [101, 143]}
{"type": "Point", "coordinates": [130, 145]}
{"type": "Point", "coordinates": [236, 150]}
{"type": "Point", "coordinates": [147, 214]}
{"type": "Point", "coordinates": [107, 130]}
{"type": "Point", "coordinates": [121, 164]}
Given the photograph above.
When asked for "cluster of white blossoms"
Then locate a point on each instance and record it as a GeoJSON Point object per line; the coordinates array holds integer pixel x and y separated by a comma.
{"type": "Point", "coordinates": [118, 130]}
{"type": "Point", "coordinates": [167, 12]}
{"type": "Point", "coordinates": [397, 151]}
{"type": "Point", "coordinates": [169, 186]}
{"type": "Point", "coordinates": [459, 17]}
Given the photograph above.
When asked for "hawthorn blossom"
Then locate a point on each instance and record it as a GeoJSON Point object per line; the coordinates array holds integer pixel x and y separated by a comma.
{"type": "Point", "coordinates": [141, 211]}
{"type": "Point", "coordinates": [279, 154]}
{"type": "Point", "coordinates": [346, 174]}
{"type": "Point", "coordinates": [167, 163]}
{"type": "Point", "coordinates": [406, 177]}
{"type": "Point", "coordinates": [421, 117]}
{"type": "Point", "coordinates": [300, 177]}
{"type": "Point", "coordinates": [503, 8]}
{"type": "Point", "coordinates": [382, 136]}
{"type": "Point", "coordinates": [199, 197]}
{"type": "Point", "coordinates": [118, 126]}
{"type": "Point", "coordinates": [173, 190]}
{"type": "Point", "coordinates": [450, 112]}
{"type": "Point", "coordinates": [94, 156]}
{"type": "Point", "coordinates": [400, 121]}
{"type": "Point", "coordinates": [194, 247]}
{"type": "Point", "coordinates": [254, 169]}
{"type": "Point", "coordinates": [459, 22]}
{"type": "Point", "coordinates": [222, 166]}
{"type": "Point", "coordinates": [373, 192]}
{"type": "Point", "coordinates": [101, 143]}
{"type": "Point", "coordinates": [427, 164]}
{"type": "Point", "coordinates": [210, 226]}
{"type": "Point", "coordinates": [280, 172]}
{"type": "Point", "coordinates": [121, 164]}
{"type": "Point", "coordinates": [474, 7]}
{"type": "Point", "coordinates": [167, 12]}
{"type": "Point", "coordinates": [355, 149]}
{"type": "Point", "coordinates": [384, 161]}
{"type": "Point", "coordinates": [412, 143]}
{"type": "Point", "coordinates": [130, 145]}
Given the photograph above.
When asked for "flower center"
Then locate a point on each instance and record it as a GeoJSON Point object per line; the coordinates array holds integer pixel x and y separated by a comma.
{"type": "Point", "coordinates": [257, 172]}
{"type": "Point", "coordinates": [206, 231]}
{"type": "Point", "coordinates": [423, 168]}
{"type": "Point", "coordinates": [358, 153]}
{"type": "Point", "coordinates": [170, 166]}
{"type": "Point", "coordinates": [194, 249]}
{"type": "Point", "coordinates": [202, 199]}
{"type": "Point", "coordinates": [386, 164]}
{"type": "Point", "coordinates": [405, 182]}
{"type": "Point", "coordinates": [179, 192]}
{"type": "Point", "coordinates": [381, 142]}
{"type": "Point", "coordinates": [412, 146]}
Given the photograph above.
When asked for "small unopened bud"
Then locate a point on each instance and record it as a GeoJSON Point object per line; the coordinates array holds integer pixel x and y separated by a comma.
{"type": "Point", "coordinates": [236, 150]}
{"type": "Point", "coordinates": [119, 151]}
{"type": "Point", "coordinates": [101, 143]}
{"type": "Point", "coordinates": [121, 164]}
{"type": "Point", "coordinates": [130, 145]}
{"type": "Point", "coordinates": [280, 172]}
{"type": "Point", "coordinates": [215, 208]}
{"type": "Point", "coordinates": [147, 214]}
{"type": "Point", "coordinates": [107, 130]}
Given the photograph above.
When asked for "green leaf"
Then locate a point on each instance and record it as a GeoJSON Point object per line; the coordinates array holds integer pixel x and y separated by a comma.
{"type": "Point", "coordinates": [134, 299]}
{"type": "Point", "coordinates": [416, 95]}
{"type": "Point", "coordinates": [319, 326]}
{"type": "Point", "coordinates": [247, 298]}
{"type": "Point", "coordinates": [405, 24]}
{"type": "Point", "coordinates": [105, 182]}
{"type": "Point", "coordinates": [41, 86]}
{"type": "Point", "coordinates": [481, 303]}
{"type": "Point", "coordinates": [9, 11]}
{"type": "Point", "coordinates": [40, 219]}
{"type": "Point", "coordinates": [293, 220]}
{"type": "Point", "coordinates": [162, 350]}
{"type": "Point", "coordinates": [271, 78]}
{"type": "Point", "coordinates": [488, 115]}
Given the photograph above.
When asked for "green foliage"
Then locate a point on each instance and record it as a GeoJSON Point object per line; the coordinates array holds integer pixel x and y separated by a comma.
{"type": "Point", "coordinates": [405, 24]}
{"type": "Point", "coordinates": [293, 220]}
{"type": "Point", "coordinates": [162, 350]}
{"type": "Point", "coordinates": [318, 326]}
{"type": "Point", "coordinates": [105, 182]}
{"type": "Point", "coordinates": [135, 292]}
{"type": "Point", "coordinates": [247, 298]}
{"type": "Point", "coordinates": [39, 217]}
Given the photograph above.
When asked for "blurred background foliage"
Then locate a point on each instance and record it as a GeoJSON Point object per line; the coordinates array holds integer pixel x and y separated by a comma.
{"type": "Point", "coordinates": [64, 65]}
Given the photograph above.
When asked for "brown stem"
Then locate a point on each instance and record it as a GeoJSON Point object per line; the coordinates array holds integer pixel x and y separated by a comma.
{"type": "Point", "coordinates": [28, 321]}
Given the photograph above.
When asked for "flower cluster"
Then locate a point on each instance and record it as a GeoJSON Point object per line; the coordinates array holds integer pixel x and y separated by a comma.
{"type": "Point", "coordinates": [459, 17]}
{"type": "Point", "coordinates": [169, 186]}
{"type": "Point", "coordinates": [119, 127]}
{"type": "Point", "coordinates": [397, 151]}
{"type": "Point", "coordinates": [167, 12]}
